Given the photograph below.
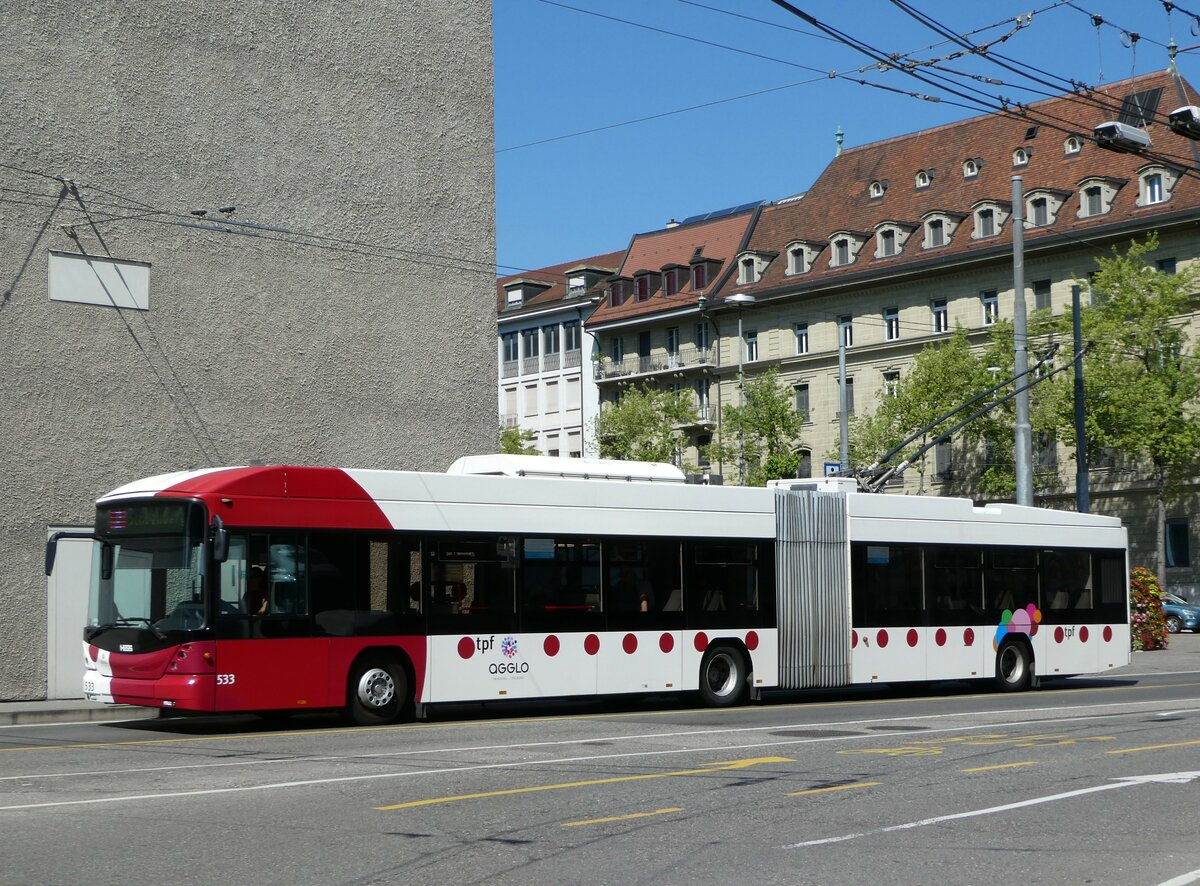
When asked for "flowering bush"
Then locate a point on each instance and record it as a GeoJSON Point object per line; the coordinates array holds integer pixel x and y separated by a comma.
{"type": "Point", "coordinates": [1147, 627]}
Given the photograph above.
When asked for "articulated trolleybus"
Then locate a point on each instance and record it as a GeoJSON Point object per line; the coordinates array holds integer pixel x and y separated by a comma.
{"type": "Point", "coordinates": [380, 592]}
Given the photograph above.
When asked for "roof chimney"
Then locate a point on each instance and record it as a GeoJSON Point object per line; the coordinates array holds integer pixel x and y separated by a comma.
{"type": "Point", "coordinates": [672, 224]}
{"type": "Point", "coordinates": [838, 136]}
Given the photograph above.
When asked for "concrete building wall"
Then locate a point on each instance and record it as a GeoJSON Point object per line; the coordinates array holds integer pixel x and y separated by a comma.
{"type": "Point", "coordinates": [371, 346]}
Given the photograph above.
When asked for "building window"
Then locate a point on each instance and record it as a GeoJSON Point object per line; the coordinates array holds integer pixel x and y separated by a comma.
{"type": "Point", "coordinates": [702, 336]}
{"type": "Point", "coordinates": [1178, 543]}
{"type": "Point", "coordinates": [530, 348]}
{"type": "Point", "coordinates": [746, 271]}
{"type": "Point", "coordinates": [643, 345]}
{"type": "Point", "coordinates": [551, 397]}
{"type": "Point", "coordinates": [941, 316]}
{"type": "Point", "coordinates": [1020, 157]}
{"type": "Point", "coordinates": [887, 243]}
{"type": "Point", "coordinates": [1045, 452]}
{"type": "Point", "coordinates": [673, 341]}
{"type": "Point", "coordinates": [643, 288]}
{"type": "Point", "coordinates": [877, 189]}
{"type": "Point", "coordinates": [702, 398]}
{"type": "Point", "coordinates": [841, 252]}
{"type": "Point", "coordinates": [571, 334]}
{"type": "Point", "coordinates": [891, 323]}
{"type": "Point", "coordinates": [576, 286]}
{"type": "Point", "coordinates": [970, 168]}
{"type": "Point", "coordinates": [1041, 295]}
{"type": "Point", "coordinates": [891, 381]}
{"type": "Point", "coordinates": [846, 330]}
{"type": "Point", "coordinates": [616, 295]}
{"type": "Point", "coordinates": [804, 466]}
{"type": "Point", "coordinates": [991, 307]}
{"type": "Point", "coordinates": [796, 260]}
{"type": "Point", "coordinates": [943, 461]}
{"type": "Point", "coordinates": [670, 283]}
{"type": "Point", "coordinates": [550, 339]}
{"type": "Point", "coordinates": [751, 345]}
{"type": "Point", "coordinates": [1072, 145]}
{"type": "Point", "coordinates": [849, 396]}
{"type": "Point", "coordinates": [985, 223]}
{"type": "Point", "coordinates": [802, 406]}
{"type": "Point", "coordinates": [510, 347]}
{"type": "Point", "coordinates": [935, 233]}
{"type": "Point", "coordinates": [531, 401]}
{"type": "Point", "coordinates": [1166, 266]}
{"type": "Point", "coordinates": [699, 277]}
{"type": "Point", "coordinates": [617, 349]}
{"type": "Point", "coordinates": [1092, 202]}
{"type": "Point", "coordinates": [922, 179]}
{"type": "Point", "coordinates": [800, 330]}
{"type": "Point", "coordinates": [1154, 188]}
{"type": "Point", "coordinates": [1039, 211]}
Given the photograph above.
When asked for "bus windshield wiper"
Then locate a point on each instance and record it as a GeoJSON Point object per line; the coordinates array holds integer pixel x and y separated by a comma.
{"type": "Point", "coordinates": [130, 622]}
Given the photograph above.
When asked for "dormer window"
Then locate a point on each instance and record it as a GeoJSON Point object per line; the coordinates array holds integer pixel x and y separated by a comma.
{"type": "Point", "coordinates": [1020, 157]}
{"type": "Point", "coordinates": [751, 265]}
{"type": "Point", "coordinates": [519, 292]}
{"type": "Point", "coordinates": [890, 239]}
{"type": "Point", "coordinates": [643, 288]}
{"type": "Point", "coordinates": [576, 286]}
{"type": "Point", "coordinates": [846, 246]}
{"type": "Point", "coordinates": [1096, 195]}
{"type": "Point", "coordinates": [1155, 184]}
{"type": "Point", "coordinates": [699, 277]}
{"type": "Point", "coordinates": [618, 291]}
{"type": "Point", "coordinates": [971, 168]}
{"type": "Point", "coordinates": [670, 282]}
{"type": "Point", "coordinates": [797, 260]}
{"type": "Point", "coordinates": [940, 227]}
{"type": "Point", "coordinates": [1072, 145]}
{"type": "Point", "coordinates": [876, 190]}
{"type": "Point", "coordinates": [887, 244]}
{"type": "Point", "coordinates": [923, 179]}
{"type": "Point", "coordinates": [514, 298]}
{"type": "Point", "coordinates": [990, 216]}
{"type": "Point", "coordinates": [1042, 206]}
{"type": "Point", "coordinates": [746, 272]}
{"type": "Point", "coordinates": [802, 255]}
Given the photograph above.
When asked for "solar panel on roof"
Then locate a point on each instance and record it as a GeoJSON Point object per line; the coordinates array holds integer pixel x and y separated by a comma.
{"type": "Point", "coordinates": [721, 213]}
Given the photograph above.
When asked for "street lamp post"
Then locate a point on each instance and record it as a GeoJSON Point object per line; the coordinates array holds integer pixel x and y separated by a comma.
{"type": "Point", "coordinates": [741, 300]}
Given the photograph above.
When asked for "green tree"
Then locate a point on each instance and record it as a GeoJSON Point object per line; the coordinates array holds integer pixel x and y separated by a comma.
{"type": "Point", "coordinates": [642, 426]}
{"type": "Point", "coordinates": [1141, 373]}
{"type": "Point", "coordinates": [517, 441]}
{"type": "Point", "coordinates": [770, 426]}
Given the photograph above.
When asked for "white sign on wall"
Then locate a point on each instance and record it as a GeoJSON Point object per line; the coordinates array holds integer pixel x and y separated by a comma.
{"type": "Point", "coordinates": [99, 280]}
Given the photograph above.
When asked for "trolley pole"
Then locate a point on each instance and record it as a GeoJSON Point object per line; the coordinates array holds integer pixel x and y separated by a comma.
{"type": "Point", "coordinates": [843, 419]}
{"type": "Point", "coordinates": [1024, 441]}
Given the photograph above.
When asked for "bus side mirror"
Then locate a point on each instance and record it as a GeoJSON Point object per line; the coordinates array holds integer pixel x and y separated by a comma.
{"type": "Point", "coordinates": [220, 540]}
{"type": "Point", "coordinates": [106, 561]}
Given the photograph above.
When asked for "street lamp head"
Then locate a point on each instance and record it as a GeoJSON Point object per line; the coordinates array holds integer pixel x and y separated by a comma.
{"type": "Point", "coordinates": [740, 298]}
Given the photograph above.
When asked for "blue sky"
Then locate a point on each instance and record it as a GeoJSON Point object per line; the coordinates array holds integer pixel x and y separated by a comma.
{"type": "Point", "coordinates": [561, 71]}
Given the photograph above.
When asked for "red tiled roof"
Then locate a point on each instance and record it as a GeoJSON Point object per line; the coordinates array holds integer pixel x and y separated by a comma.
{"type": "Point", "coordinates": [556, 277]}
{"type": "Point", "coordinates": [717, 239]}
{"type": "Point", "coordinates": [839, 201]}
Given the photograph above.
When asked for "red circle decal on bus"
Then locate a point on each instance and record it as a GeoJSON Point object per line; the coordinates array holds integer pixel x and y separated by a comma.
{"type": "Point", "coordinates": [912, 637]}
{"type": "Point", "coordinates": [701, 641]}
{"type": "Point", "coordinates": [551, 645]}
{"type": "Point", "coordinates": [969, 637]}
{"type": "Point", "coordinates": [591, 644]}
{"type": "Point", "coordinates": [629, 644]}
{"type": "Point", "coordinates": [466, 647]}
{"type": "Point", "coordinates": [854, 639]}
{"type": "Point", "coordinates": [666, 642]}
{"type": "Point", "coordinates": [752, 640]}
{"type": "Point", "coordinates": [1107, 633]}
{"type": "Point", "coordinates": [940, 637]}
{"type": "Point", "coordinates": [881, 639]}
{"type": "Point", "coordinates": [1058, 635]}
{"type": "Point", "coordinates": [1083, 634]}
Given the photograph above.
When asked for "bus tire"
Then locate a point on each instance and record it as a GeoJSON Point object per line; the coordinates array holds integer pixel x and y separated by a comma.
{"type": "Point", "coordinates": [1014, 667]}
{"type": "Point", "coordinates": [377, 691]}
{"type": "Point", "coordinates": [723, 676]}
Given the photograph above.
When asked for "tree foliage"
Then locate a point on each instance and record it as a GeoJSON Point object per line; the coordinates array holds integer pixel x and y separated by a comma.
{"type": "Point", "coordinates": [771, 427]}
{"type": "Point", "coordinates": [642, 426]}
{"type": "Point", "coordinates": [517, 441]}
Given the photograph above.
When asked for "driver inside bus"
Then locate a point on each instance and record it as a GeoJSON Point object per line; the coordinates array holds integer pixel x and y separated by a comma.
{"type": "Point", "coordinates": [256, 600]}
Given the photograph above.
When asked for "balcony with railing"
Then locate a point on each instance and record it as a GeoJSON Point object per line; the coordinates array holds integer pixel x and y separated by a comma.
{"type": "Point", "coordinates": [546, 363]}
{"type": "Point", "coordinates": [687, 357]}
{"type": "Point", "coordinates": [509, 420]}
{"type": "Point", "coordinates": [706, 418]}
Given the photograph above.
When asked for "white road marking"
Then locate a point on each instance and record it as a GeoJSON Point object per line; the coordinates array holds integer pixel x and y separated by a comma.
{"type": "Point", "coordinates": [1183, 879]}
{"type": "Point", "coordinates": [1166, 778]}
{"type": "Point", "coordinates": [515, 764]}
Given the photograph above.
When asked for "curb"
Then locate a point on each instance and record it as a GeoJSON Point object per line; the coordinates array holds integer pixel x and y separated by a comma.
{"type": "Point", "coordinates": [36, 713]}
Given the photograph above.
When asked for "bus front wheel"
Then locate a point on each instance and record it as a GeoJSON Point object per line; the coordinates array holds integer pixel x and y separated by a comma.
{"type": "Point", "coordinates": [1014, 667]}
{"type": "Point", "coordinates": [377, 690]}
{"type": "Point", "coordinates": [723, 675]}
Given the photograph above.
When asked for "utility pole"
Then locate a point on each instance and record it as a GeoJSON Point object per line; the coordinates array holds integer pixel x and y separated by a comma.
{"type": "Point", "coordinates": [1082, 497]}
{"type": "Point", "coordinates": [741, 300]}
{"type": "Point", "coordinates": [1024, 442]}
{"type": "Point", "coordinates": [843, 419]}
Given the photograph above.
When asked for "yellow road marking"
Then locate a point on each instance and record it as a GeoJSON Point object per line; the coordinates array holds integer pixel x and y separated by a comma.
{"type": "Point", "coordinates": [999, 766]}
{"type": "Point", "coordinates": [632, 815]}
{"type": "Point", "coordinates": [508, 792]}
{"type": "Point", "coordinates": [840, 787]}
{"type": "Point", "coordinates": [1155, 747]}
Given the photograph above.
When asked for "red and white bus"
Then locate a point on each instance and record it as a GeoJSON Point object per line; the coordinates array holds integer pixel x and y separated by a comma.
{"type": "Point", "coordinates": [381, 592]}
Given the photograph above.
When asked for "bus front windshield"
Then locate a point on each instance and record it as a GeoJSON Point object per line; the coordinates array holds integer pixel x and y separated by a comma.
{"type": "Point", "coordinates": [147, 568]}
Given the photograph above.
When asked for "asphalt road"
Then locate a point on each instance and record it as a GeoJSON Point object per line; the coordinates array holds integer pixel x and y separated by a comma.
{"type": "Point", "coordinates": [1082, 781]}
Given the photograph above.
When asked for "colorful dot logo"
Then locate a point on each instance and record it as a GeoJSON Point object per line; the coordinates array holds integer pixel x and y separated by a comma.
{"type": "Point", "coordinates": [1021, 621]}
{"type": "Point", "coordinates": [508, 647]}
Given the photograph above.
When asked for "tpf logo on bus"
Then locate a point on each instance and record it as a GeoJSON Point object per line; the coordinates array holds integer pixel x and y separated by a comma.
{"type": "Point", "coordinates": [468, 646]}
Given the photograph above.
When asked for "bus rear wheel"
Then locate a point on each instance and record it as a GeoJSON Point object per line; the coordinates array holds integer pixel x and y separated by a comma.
{"type": "Point", "coordinates": [377, 691]}
{"type": "Point", "coordinates": [723, 675]}
{"type": "Point", "coordinates": [1014, 667]}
